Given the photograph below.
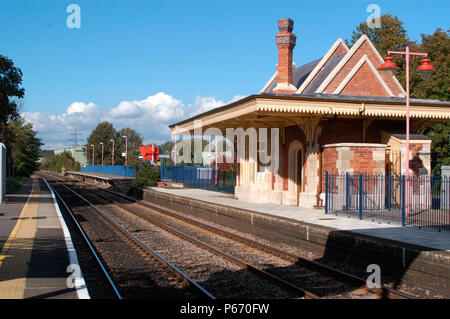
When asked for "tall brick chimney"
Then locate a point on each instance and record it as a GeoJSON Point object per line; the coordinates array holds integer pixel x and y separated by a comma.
{"type": "Point", "coordinates": [285, 42]}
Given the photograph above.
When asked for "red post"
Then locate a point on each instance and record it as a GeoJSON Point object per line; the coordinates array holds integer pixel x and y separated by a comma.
{"type": "Point", "coordinates": [112, 154]}
{"type": "Point", "coordinates": [101, 143]}
{"type": "Point", "coordinates": [126, 150]}
{"type": "Point", "coordinates": [389, 66]}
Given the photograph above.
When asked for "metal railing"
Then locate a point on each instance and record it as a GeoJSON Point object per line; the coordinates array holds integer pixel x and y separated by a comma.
{"type": "Point", "coordinates": [382, 198]}
{"type": "Point", "coordinates": [201, 177]}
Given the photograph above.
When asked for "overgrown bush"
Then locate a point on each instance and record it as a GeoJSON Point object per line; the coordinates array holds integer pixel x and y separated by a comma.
{"type": "Point", "coordinates": [148, 175]}
{"type": "Point", "coordinates": [55, 163]}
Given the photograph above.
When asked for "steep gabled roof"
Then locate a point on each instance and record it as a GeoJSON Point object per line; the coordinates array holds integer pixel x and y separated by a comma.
{"type": "Point", "coordinates": [322, 74]}
{"type": "Point", "coordinates": [338, 48]}
{"type": "Point", "coordinates": [340, 67]}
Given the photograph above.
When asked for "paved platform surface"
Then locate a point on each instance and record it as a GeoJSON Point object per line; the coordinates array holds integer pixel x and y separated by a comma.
{"type": "Point", "coordinates": [411, 235]}
{"type": "Point", "coordinates": [35, 247]}
{"type": "Point", "coordinates": [108, 176]}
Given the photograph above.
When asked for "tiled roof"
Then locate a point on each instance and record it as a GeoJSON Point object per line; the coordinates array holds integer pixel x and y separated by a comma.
{"type": "Point", "coordinates": [314, 85]}
{"type": "Point", "coordinates": [298, 75]}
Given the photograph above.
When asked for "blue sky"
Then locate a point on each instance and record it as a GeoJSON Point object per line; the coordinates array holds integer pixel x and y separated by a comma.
{"type": "Point", "coordinates": [170, 59]}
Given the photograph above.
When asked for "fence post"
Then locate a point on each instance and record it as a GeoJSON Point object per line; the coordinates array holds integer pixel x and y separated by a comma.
{"type": "Point", "coordinates": [347, 194]}
{"type": "Point", "coordinates": [326, 192]}
{"type": "Point", "coordinates": [360, 196]}
{"type": "Point", "coordinates": [403, 200]}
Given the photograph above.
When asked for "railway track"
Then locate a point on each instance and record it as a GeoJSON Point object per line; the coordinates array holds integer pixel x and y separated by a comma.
{"type": "Point", "coordinates": [175, 279]}
{"type": "Point", "coordinates": [305, 278]}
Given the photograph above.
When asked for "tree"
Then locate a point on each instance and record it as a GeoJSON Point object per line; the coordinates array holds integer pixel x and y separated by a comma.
{"type": "Point", "coordinates": [10, 91]}
{"type": "Point", "coordinates": [437, 46]}
{"type": "Point", "coordinates": [392, 36]}
{"type": "Point", "coordinates": [103, 132]}
{"type": "Point", "coordinates": [134, 140]}
{"type": "Point", "coordinates": [148, 175]}
{"type": "Point", "coordinates": [23, 147]}
{"type": "Point", "coordinates": [56, 162]}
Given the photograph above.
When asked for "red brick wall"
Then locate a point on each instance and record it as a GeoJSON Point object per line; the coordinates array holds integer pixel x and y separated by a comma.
{"type": "Point", "coordinates": [363, 161]}
{"type": "Point", "coordinates": [365, 48]}
{"type": "Point", "coordinates": [364, 83]}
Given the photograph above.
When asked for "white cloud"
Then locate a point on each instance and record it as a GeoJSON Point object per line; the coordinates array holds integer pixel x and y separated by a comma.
{"type": "Point", "coordinates": [150, 117]}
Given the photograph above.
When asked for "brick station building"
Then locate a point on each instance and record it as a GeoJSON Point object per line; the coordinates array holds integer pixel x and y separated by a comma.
{"type": "Point", "coordinates": [338, 113]}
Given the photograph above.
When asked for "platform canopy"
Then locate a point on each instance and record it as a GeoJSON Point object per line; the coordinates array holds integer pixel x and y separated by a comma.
{"type": "Point", "coordinates": [273, 110]}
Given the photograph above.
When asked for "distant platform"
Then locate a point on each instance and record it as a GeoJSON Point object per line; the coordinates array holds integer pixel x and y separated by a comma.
{"type": "Point", "coordinates": [120, 183]}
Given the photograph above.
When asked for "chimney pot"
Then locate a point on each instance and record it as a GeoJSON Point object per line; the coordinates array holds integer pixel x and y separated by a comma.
{"type": "Point", "coordinates": [285, 25]}
{"type": "Point", "coordinates": [285, 41]}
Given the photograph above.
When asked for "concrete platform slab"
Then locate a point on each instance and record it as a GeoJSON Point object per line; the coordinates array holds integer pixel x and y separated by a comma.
{"type": "Point", "coordinates": [36, 249]}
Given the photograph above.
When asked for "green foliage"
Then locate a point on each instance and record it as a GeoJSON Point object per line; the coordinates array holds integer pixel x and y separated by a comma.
{"type": "Point", "coordinates": [23, 147]}
{"type": "Point", "coordinates": [10, 91]}
{"type": "Point", "coordinates": [392, 36]}
{"type": "Point", "coordinates": [134, 140]}
{"type": "Point", "coordinates": [13, 183]}
{"type": "Point", "coordinates": [55, 163]}
{"type": "Point", "coordinates": [148, 175]}
{"type": "Point", "coordinates": [440, 145]}
{"type": "Point", "coordinates": [105, 132]}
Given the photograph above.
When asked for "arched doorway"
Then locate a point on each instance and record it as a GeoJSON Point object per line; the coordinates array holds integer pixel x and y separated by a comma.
{"type": "Point", "coordinates": [295, 171]}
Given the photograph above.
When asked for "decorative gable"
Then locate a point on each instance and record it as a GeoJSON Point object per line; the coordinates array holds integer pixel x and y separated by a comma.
{"type": "Point", "coordinates": [362, 53]}
{"type": "Point", "coordinates": [364, 80]}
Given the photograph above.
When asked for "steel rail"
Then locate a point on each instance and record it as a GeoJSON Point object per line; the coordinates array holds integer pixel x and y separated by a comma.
{"type": "Point", "coordinates": [105, 272]}
{"type": "Point", "coordinates": [172, 268]}
{"type": "Point", "coordinates": [350, 279]}
{"type": "Point", "coordinates": [357, 282]}
{"type": "Point", "coordinates": [244, 265]}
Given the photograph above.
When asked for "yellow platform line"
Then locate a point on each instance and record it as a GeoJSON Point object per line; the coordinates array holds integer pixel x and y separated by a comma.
{"type": "Point", "coordinates": [16, 253]}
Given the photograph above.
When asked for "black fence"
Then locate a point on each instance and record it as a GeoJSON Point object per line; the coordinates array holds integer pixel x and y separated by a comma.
{"type": "Point", "coordinates": [422, 201]}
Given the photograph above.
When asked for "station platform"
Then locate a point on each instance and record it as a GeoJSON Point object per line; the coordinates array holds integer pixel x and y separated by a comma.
{"type": "Point", "coordinates": [120, 183]}
{"type": "Point", "coordinates": [101, 175]}
{"type": "Point", "coordinates": [412, 235]}
{"type": "Point", "coordinates": [35, 247]}
{"type": "Point", "coordinates": [410, 255]}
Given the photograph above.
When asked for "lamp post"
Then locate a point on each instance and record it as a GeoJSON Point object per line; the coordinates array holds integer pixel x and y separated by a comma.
{"type": "Point", "coordinates": [126, 150]}
{"type": "Point", "coordinates": [112, 154]}
{"type": "Point", "coordinates": [425, 70]}
{"type": "Point", "coordinates": [92, 153]}
{"type": "Point", "coordinates": [101, 143]}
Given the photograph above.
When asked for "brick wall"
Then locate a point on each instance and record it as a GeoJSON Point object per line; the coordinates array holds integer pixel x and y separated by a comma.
{"type": "Point", "coordinates": [364, 83]}
{"type": "Point", "coordinates": [364, 49]}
